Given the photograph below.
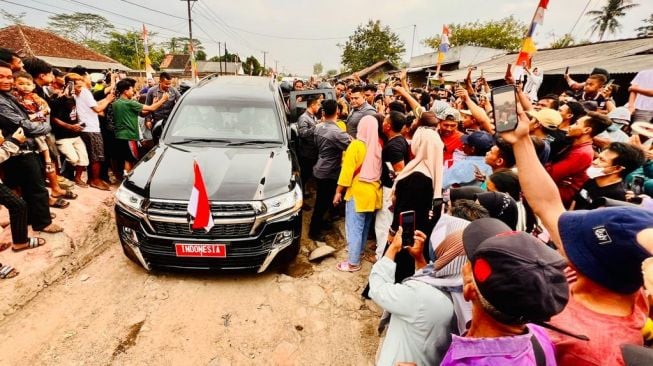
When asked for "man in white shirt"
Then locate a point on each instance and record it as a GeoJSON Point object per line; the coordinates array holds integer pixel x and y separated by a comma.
{"type": "Point", "coordinates": [640, 103]}
{"type": "Point", "coordinates": [87, 112]}
{"type": "Point", "coordinates": [533, 83]}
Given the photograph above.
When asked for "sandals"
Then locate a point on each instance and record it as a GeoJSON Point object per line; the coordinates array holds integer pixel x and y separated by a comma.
{"type": "Point", "coordinates": [60, 203]}
{"type": "Point", "coordinates": [7, 272]}
{"type": "Point", "coordinates": [347, 267]}
{"type": "Point", "coordinates": [69, 195]}
{"type": "Point", "coordinates": [33, 242]}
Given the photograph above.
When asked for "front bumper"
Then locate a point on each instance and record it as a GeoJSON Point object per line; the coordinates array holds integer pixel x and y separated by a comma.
{"type": "Point", "coordinates": [256, 252]}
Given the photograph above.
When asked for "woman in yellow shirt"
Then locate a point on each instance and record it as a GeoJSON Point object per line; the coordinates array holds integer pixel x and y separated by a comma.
{"type": "Point", "coordinates": [360, 177]}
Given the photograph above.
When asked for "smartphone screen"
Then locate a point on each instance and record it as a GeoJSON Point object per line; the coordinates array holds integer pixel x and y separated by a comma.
{"type": "Point", "coordinates": [504, 108]}
{"type": "Point", "coordinates": [407, 222]}
{"type": "Point", "coordinates": [637, 186]}
{"type": "Point", "coordinates": [388, 91]}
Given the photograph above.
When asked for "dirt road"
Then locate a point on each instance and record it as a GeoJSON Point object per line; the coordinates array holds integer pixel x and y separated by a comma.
{"type": "Point", "coordinates": [112, 312]}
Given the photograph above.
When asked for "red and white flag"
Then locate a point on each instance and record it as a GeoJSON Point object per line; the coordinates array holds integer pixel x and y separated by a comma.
{"type": "Point", "coordinates": [199, 206]}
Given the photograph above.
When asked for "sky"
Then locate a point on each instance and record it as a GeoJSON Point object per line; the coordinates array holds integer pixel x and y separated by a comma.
{"type": "Point", "coordinates": [297, 34]}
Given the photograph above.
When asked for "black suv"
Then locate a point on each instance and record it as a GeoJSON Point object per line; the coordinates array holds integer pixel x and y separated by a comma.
{"type": "Point", "coordinates": [236, 128]}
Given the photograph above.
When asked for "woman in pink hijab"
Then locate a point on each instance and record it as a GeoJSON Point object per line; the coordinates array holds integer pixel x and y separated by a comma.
{"type": "Point", "coordinates": [360, 176]}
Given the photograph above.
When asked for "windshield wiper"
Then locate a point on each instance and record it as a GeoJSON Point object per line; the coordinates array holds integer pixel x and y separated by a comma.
{"type": "Point", "coordinates": [252, 142]}
{"type": "Point", "coordinates": [187, 141]}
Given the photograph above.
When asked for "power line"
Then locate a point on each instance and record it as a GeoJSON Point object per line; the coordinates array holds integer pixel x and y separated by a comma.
{"type": "Point", "coordinates": [154, 10]}
{"type": "Point", "coordinates": [70, 10]}
{"type": "Point", "coordinates": [580, 16]}
{"type": "Point", "coordinates": [123, 16]}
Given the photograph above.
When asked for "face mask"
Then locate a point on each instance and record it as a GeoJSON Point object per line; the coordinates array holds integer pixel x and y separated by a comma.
{"type": "Point", "coordinates": [595, 172]}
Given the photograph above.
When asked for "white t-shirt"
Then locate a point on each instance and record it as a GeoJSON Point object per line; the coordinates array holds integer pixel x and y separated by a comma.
{"type": "Point", "coordinates": [644, 79]}
{"type": "Point", "coordinates": [85, 102]}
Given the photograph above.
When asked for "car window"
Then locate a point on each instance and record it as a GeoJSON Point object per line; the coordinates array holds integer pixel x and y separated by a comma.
{"type": "Point", "coordinates": [237, 121]}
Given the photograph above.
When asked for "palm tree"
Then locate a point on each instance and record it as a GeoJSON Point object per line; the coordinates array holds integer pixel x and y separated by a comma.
{"type": "Point", "coordinates": [606, 20]}
{"type": "Point", "coordinates": [647, 29]}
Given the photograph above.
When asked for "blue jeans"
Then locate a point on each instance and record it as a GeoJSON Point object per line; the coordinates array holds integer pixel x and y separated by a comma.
{"type": "Point", "coordinates": [357, 226]}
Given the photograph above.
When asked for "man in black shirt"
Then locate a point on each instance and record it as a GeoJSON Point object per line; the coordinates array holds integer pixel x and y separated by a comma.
{"type": "Point", "coordinates": [330, 141]}
{"type": "Point", "coordinates": [607, 173]}
{"type": "Point", "coordinates": [395, 154]}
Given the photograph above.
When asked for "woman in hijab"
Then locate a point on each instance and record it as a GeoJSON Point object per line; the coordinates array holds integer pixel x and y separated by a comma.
{"type": "Point", "coordinates": [500, 206]}
{"type": "Point", "coordinates": [360, 176]}
{"type": "Point", "coordinates": [414, 190]}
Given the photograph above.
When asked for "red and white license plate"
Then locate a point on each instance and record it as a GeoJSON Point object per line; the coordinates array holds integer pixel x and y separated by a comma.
{"type": "Point", "coordinates": [201, 250]}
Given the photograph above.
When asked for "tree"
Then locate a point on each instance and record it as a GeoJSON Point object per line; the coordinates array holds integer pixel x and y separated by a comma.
{"type": "Point", "coordinates": [647, 29]}
{"type": "Point", "coordinates": [13, 18]}
{"type": "Point", "coordinates": [229, 57]}
{"type": "Point", "coordinates": [318, 68]}
{"type": "Point", "coordinates": [83, 28]}
{"type": "Point", "coordinates": [566, 41]}
{"type": "Point", "coordinates": [504, 34]}
{"type": "Point", "coordinates": [252, 66]}
{"type": "Point", "coordinates": [369, 44]}
{"type": "Point", "coordinates": [606, 20]}
{"type": "Point", "coordinates": [200, 55]}
{"type": "Point", "coordinates": [331, 73]}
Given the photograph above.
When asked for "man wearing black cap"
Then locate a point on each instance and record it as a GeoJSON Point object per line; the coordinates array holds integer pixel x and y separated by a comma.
{"type": "Point", "coordinates": [512, 279]}
{"type": "Point", "coordinates": [605, 247]}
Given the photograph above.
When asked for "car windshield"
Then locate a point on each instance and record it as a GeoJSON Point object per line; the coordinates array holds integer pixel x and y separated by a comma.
{"type": "Point", "coordinates": [234, 121]}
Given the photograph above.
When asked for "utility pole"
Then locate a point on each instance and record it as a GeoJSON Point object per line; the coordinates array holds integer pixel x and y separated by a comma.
{"type": "Point", "coordinates": [225, 58]}
{"type": "Point", "coordinates": [192, 47]}
{"type": "Point", "coordinates": [412, 44]}
{"type": "Point", "coordinates": [219, 52]}
{"type": "Point", "coordinates": [264, 68]}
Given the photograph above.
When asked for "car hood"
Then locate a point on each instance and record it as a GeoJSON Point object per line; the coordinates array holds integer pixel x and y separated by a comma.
{"type": "Point", "coordinates": [229, 174]}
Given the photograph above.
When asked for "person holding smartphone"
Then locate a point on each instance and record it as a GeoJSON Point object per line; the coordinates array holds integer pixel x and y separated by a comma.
{"type": "Point", "coordinates": [68, 129]}
{"type": "Point", "coordinates": [414, 189]}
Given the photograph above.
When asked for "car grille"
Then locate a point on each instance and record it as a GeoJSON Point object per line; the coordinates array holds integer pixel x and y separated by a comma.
{"type": "Point", "coordinates": [218, 231]}
{"type": "Point", "coordinates": [240, 254]}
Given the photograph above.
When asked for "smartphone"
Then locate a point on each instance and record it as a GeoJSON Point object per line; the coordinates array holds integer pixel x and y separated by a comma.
{"type": "Point", "coordinates": [388, 91]}
{"type": "Point", "coordinates": [82, 124]}
{"type": "Point", "coordinates": [567, 70]}
{"type": "Point", "coordinates": [504, 108]}
{"type": "Point", "coordinates": [407, 222]}
{"type": "Point", "coordinates": [637, 185]}
{"type": "Point", "coordinates": [610, 82]}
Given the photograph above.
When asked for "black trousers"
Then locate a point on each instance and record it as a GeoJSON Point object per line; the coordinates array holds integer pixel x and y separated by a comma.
{"type": "Point", "coordinates": [17, 214]}
{"type": "Point", "coordinates": [25, 172]}
{"type": "Point", "coordinates": [306, 169]}
{"type": "Point", "coordinates": [326, 189]}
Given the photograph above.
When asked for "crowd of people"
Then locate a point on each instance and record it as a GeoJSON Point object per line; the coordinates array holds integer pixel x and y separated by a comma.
{"type": "Point", "coordinates": [62, 131]}
{"type": "Point", "coordinates": [524, 247]}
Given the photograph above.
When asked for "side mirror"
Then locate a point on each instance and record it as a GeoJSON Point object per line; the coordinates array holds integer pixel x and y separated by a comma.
{"type": "Point", "coordinates": [157, 130]}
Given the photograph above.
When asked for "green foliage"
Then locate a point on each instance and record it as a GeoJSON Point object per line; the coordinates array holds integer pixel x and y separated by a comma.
{"type": "Point", "coordinates": [331, 73]}
{"type": "Point", "coordinates": [179, 45]}
{"type": "Point", "coordinates": [13, 18]}
{"type": "Point", "coordinates": [200, 55]}
{"type": "Point", "coordinates": [505, 34]}
{"type": "Point", "coordinates": [229, 57]}
{"type": "Point", "coordinates": [318, 68]}
{"type": "Point", "coordinates": [369, 44]}
{"type": "Point", "coordinates": [606, 20]}
{"type": "Point", "coordinates": [122, 48]}
{"type": "Point", "coordinates": [568, 40]}
{"type": "Point", "coordinates": [251, 66]}
{"type": "Point", "coordinates": [647, 29]}
{"type": "Point", "coordinates": [85, 28]}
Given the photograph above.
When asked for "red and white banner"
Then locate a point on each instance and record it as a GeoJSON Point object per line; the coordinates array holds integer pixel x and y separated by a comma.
{"type": "Point", "coordinates": [199, 206]}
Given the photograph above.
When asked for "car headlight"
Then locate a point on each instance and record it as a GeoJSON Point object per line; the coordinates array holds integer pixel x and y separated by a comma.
{"type": "Point", "coordinates": [129, 199]}
{"type": "Point", "coordinates": [291, 201]}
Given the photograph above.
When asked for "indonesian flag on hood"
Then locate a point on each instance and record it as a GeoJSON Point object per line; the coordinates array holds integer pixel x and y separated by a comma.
{"type": "Point", "coordinates": [199, 207]}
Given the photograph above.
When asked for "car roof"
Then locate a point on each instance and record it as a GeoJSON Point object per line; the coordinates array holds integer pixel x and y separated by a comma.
{"type": "Point", "coordinates": [254, 88]}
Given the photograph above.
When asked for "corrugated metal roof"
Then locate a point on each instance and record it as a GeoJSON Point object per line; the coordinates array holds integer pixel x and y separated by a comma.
{"type": "Point", "coordinates": [91, 65]}
{"type": "Point", "coordinates": [622, 56]}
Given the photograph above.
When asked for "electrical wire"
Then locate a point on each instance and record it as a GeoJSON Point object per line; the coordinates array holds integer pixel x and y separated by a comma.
{"type": "Point", "coordinates": [580, 16]}
{"type": "Point", "coordinates": [154, 10]}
